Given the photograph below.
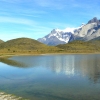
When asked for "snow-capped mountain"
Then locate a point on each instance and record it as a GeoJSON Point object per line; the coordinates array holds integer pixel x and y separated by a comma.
{"type": "Point", "coordinates": [57, 36]}
{"type": "Point", "coordinates": [85, 32]}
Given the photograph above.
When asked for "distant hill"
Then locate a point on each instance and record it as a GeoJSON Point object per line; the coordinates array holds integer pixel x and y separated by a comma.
{"type": "Point", "coordinates": [81, 46]}
{"type": "Point", "coordinates": [25, 45]}
{"type": "Point", "coordinates": [22, 43]}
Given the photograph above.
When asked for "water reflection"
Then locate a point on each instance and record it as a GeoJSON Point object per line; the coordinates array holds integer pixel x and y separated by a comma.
{"type": "Point", "coordinates": [13, 63]}
{"type": "Point", "coordinates": [63, 64]}
{"type": "Point", "coordinates": [52, 77]}
{"type": "Point", "coordinates": [89, 66]}
{"type": "Point", "coordinates": [84, 65]}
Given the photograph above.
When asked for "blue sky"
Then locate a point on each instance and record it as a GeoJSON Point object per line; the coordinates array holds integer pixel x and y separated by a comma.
{"type": "Point", "coordinates": [36, 18]}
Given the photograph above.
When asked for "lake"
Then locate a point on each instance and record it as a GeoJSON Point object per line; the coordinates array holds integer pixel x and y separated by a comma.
{"type": "Point", "coordinates": [52, 77]}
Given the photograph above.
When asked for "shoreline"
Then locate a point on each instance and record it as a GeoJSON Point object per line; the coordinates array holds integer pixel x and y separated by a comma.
{"type": "Point", "coordinates": [28, 54]}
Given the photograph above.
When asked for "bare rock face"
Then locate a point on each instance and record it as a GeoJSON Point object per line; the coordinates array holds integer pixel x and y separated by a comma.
{"type": "Point", "coordinates": [94, 20]}
{"type": "Point", "coordinates": [89, 31]}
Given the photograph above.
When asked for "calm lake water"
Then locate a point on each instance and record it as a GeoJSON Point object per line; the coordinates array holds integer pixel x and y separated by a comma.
{"type": "Point", "coordinates": [52, 77]}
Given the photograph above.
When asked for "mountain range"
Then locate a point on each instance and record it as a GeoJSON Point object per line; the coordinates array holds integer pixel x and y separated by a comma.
{"type": "Point", "coordinates": [85, 32]}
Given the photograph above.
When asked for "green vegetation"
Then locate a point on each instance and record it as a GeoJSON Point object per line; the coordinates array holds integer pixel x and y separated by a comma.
{"type": "Point", "coordinates": [25, 46]}
{"type": "Point", "coordinates": [31, 46]}
{"type": "Point", "coordinates": [81, 47]}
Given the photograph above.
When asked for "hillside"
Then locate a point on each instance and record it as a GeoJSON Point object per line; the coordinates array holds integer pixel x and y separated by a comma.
{"type": "Point", "coordinates": [31, 46]}
{"type": "Point", "coordinates": [24, 45]}
{"type": "Point", "coordinates": [1, 41]}
{"type": "Point", "coordinates": [81, 47]}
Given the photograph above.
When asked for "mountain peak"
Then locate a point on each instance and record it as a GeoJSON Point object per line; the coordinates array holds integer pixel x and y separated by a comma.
{"type": "Point", "coordinates": [94, 20]}
{"type": "Point", "coordinates": [55, 30]}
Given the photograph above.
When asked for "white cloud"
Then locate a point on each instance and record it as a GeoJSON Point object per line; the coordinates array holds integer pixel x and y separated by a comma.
{"type": "Point", "coordinates": [53, 4]}
{"type": "Point", "coordinates": [23, 21]}
{"type": "Point", "coordinates": [33, 13]}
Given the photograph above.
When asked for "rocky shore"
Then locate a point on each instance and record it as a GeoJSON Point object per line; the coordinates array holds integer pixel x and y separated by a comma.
{"type": "Point", "coordinates": [4, 96]}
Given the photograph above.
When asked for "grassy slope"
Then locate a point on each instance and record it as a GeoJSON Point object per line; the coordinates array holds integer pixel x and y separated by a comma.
{"type": "Point", "coordinates": [81, 47]}
{"type": "Point", "coordinates": [25, 45]}
{"type": "Point", "coordinates": [31, 46]}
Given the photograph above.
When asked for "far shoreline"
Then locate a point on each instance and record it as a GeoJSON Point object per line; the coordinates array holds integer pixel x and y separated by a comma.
{"type": "Point", "coordinates": [33, 54]}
